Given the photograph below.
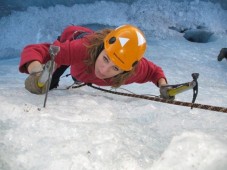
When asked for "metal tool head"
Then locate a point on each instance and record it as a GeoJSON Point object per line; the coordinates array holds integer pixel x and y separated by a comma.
{"type": "Point", "coordinates": [54, 50]}
{"type": "Point", "coordinates": [195, 76]}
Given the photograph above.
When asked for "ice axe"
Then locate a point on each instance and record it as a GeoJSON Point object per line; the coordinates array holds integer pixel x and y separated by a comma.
{"type": "Point", "coordinates": [179, 88]}
{"type": "Point", "coordinates": [46, 77]}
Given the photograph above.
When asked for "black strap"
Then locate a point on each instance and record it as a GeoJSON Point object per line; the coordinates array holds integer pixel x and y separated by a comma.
{"type": "Point", "coordinates": [81, 35]}
{"type": "Point", "coordinates": [56, 76]}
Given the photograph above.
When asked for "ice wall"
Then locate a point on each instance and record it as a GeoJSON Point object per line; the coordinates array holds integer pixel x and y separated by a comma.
{"type": "Point", "coordinates": [7, 6]}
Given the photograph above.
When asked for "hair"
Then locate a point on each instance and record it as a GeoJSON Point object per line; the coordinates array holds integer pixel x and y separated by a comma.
{"type": "Point", "coordinates": [95, 47]}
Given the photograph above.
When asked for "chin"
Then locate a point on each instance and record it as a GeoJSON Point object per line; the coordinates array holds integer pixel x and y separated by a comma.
{"type": "Point", "coordinates": [99, 76]}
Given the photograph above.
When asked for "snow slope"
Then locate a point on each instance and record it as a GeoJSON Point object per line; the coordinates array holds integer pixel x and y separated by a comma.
{"type": "Point", "coordinates": [88, 129]}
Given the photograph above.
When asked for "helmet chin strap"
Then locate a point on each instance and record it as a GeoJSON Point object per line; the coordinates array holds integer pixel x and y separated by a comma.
{"type": "Point", "coordinates": [100, 48]}
{"type": "Point", "coordinates": [135, 63]}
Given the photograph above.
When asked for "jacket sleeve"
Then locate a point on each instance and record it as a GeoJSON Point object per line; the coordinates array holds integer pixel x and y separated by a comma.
{"type": "Point", "coordinates": [66, 56]}
{"type": "Point", "coordinates": [147, 71]}
{"type": "Point", "coordinates": [34, 52]}
{"type": "Point", "coordinates": [71, 52]}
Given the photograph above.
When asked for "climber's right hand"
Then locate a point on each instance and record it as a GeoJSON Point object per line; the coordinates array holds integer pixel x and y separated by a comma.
{"type": "Point", "coordinates": [35, 70]}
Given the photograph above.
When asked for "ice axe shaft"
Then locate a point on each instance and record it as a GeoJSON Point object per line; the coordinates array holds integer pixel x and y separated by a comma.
{"type": "Point", "coordinates": [45, 74]}
{"type": "Point", "coordinates": [53, 51]}
{"type": "Point", "coordinates": [181, 88]}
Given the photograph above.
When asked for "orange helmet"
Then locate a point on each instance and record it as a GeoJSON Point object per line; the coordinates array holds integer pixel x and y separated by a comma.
{"type": "Point", "coordinates": [125, 46]}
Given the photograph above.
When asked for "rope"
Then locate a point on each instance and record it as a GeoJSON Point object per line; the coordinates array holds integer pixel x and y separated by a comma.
{"type": "Point", "coordinates": [76, 86]}
{"type": "Point", "coordinates": [158, 99]}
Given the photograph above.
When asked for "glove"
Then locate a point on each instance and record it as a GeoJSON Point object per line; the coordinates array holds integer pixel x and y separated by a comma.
{"type": "Point", "coordinates": [164, 92]}
{"type": "Point", "coordinates": [31, 84]}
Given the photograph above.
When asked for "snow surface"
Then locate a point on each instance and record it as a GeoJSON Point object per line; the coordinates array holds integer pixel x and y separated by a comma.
{"type": "Point", "coordinates": [88, 129]}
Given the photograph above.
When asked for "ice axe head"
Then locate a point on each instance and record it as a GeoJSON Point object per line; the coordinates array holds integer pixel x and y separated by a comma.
{"type": "Point", "coordinates": [195, 76]}
{"type": "Point", "coordinates": [53, 50]}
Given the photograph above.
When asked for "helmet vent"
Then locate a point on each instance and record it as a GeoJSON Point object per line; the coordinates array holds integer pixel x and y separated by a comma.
{"type": "Point", "coordinates": [112, 40]}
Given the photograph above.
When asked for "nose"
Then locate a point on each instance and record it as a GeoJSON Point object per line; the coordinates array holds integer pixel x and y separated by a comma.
{"type": "Point", "coordinates": [105, 69]}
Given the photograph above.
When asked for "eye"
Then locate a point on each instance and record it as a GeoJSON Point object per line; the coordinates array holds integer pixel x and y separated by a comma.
{"type": "Point", "coordinates": [105, 59]}
{"type": "Point", "coordinates": [115, 68]}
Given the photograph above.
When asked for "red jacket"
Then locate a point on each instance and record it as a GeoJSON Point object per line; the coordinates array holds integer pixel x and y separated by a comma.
{"type": "Point", "coordinates": [73, 53]}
